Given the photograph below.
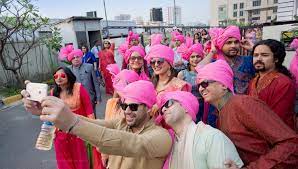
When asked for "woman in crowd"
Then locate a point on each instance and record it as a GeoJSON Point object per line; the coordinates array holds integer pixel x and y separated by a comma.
{"type": "Point", "coordinates": [194, 55]}
{"type": "Point", "coordinates": [106, 56]}
{"type": "Point", "coordinates": [134, 58]}
{"type": "Point", "coordinates": [71, 152]}
{"type": "Point", "coordinates": [196, 38]}
{"type": "Point", "coordinates": [88, 56]}
{"type": "Point", "coordinates": [161, 59]}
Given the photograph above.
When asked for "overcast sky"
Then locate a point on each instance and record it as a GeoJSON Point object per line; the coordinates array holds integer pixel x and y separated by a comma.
{"type": "Point", "coordinates": [192, 10]}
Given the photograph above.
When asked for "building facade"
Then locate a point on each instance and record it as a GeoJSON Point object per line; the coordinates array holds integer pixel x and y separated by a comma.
{"type": "Point", "coordinates": [156, 14]}
{"type": "Point", "coordinates": [287, 10]}
{"type": "Point", "coordinates": [169, 15]}
{"type": "Point", "coordinates": [123, 17]}
{"type": "Point", "coordinates": [224, 12]}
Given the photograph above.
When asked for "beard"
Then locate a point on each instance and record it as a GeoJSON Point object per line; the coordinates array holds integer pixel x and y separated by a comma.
{"type": "Point", "coordinates": [262, 69]}
{"type": "Point", "coordinates": [231, 53]}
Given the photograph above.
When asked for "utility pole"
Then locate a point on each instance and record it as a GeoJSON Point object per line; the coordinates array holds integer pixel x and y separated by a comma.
{"type": "Point", "coordinates": [175, 19]}
{"type": "Point", "coordinates": [107, 24]}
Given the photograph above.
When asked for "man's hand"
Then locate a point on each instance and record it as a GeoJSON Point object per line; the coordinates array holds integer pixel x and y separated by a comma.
{"type": "Point", "coordinates": [56, 111]}
{"type": "Point", "coordinates": [246, 44]}
{"type": "Point", "coordinates": [229, 164]}
{"type": "Point", "coordinates": [33, 107]}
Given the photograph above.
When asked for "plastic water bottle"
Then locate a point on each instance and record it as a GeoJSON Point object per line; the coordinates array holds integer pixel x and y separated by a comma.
{"type": "Point", "coordinates": [46, 136]}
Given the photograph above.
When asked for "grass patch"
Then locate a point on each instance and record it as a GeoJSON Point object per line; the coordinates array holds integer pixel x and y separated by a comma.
{"type": "Point", "coordinates": [9, 91]}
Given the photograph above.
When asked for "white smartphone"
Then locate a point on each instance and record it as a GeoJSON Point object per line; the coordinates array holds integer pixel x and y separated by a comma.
{"type": "Point", "coordinates": [37, 91]}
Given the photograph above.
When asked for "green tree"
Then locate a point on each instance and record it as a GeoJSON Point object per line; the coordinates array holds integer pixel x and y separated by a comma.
{"type": "Point", "coordinates": [19, 22]}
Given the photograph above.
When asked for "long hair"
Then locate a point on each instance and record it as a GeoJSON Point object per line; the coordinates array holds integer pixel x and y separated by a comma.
{"type": "Point", "coordinates": [70, 83]}
{"type": "Point", "coordinates": [155, 78]}
{"type": "Point", "coordinates": [279, 54]}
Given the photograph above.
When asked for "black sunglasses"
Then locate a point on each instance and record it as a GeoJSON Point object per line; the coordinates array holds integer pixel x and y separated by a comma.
{"type": "Point", "coordinates": [205, 83]}
{"type": "Point", "coordinates": [132, 107]}
{"type": "Point", "coordinates": [168, 104]}
{"type": "Point", "coordinates": [159, 61]}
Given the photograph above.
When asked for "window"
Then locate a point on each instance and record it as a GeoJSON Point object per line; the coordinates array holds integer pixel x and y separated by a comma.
{"type": "Point", "coordinates": [268, 17]}
{"type": "Point", "coordinates": [275, 1]}
{"type": "Point", "coordinates": [235, 6]}
{"type": "Point", "coordinates": [275, 10]}
{"type": "Point", "coordinates": [220, 9]}
{"type": "Point", "coordinates": [241, 5]}
{"type": "Point", "coordinates": [256, 3]}
{"type": "Point", "coordinates": [234, 14]}
{"type": "Point", "coordinates": [256, 12]}
{"type": "Point", "coordinates": [241, 13]}
{"type": "Point", "coordinates": [255, 18]}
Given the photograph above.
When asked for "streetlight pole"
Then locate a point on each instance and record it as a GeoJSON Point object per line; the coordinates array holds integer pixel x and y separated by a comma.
{"type": "Point", "coordinates": [175, 19]}
{"type": "Point", "coordinates": [107, 24]}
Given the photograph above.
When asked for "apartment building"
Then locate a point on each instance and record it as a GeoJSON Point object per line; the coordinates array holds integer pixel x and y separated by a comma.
{"type": "Point", "coordinates": [224, 12]}
{"type": "Point", "coordinates": [287, 10]}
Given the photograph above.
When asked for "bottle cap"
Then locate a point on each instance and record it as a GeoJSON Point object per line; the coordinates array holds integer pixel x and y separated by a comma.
{"type": "Point", "coordinates": [48, 123]}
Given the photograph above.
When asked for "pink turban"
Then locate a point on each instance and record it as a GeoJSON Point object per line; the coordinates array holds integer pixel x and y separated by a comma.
{"type": "Point", "coordinates": [138, 49]}
{"type": "Point", "coordinates": [218, 71]}
{"type": "Point", "coordinates": [113, 70]}
{"type": "Point", "coordinates": [219, 36]}
{"type": "Point", "coordinates": [188, 41]}
{"type": "Point", "coordinates": [161, 51]}
{"type": "Point", "coordinates": [141, 91]}
{"type": "Point", "coordinates": [294, 62]}
{"type": "Point", "coordinates": [187, 100]}
{"type": "Point", "coordinates": [196, 48]}
{"type": "Point", "coordinates": [174, 34]}
{"type": "Point", "coordinates": [122, 79]}
{"type": "Point", "coordinates": [156, 39]}
{"type": "Point", "coordinates": [76, 52]}
{"type": "Point", "coordinates": [180, 38]}
{"type": "Point", "coordinates": [65, 51]}
{"type": "Point", "coordinates": [132, 36]}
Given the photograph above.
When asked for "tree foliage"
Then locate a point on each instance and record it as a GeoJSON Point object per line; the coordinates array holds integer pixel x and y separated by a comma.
{"type": "Point", "coordinates": [19, 22]}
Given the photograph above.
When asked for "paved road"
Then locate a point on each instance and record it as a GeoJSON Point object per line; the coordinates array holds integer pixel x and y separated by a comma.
{"type": "Point", "coordinates": [18, 133]}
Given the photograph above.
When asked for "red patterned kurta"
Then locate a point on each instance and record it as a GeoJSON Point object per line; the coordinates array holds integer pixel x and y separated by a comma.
{"type": "Point", "coordinates": [262, 139]}
{"type": "Point", "coordinates": [278, 92]}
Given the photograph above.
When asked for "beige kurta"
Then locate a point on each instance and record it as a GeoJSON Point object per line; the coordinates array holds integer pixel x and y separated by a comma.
{"type": "Point", "coordinates": [147, 149]}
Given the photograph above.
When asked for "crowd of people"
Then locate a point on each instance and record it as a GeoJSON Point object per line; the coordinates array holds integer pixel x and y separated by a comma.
{"type": "Point", "coordinates": [193, 103]}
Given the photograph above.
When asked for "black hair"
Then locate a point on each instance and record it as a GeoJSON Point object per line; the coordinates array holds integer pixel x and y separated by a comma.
{"type": "Point", "coordinates": [87, 49]}
{"type": "Point", "coordinates": [279, 54]}
{"type": "Point", "coordinates": [71, 81]}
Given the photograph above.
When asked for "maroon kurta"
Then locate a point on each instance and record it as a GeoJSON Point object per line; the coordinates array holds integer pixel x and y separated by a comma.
{"type": "Point", "coordinates": [262, 139]}
{"type": "Point", "coordinates": [278, 92]}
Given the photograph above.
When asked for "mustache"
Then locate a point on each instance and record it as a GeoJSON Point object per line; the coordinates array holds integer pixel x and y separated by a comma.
{"type": "Point", "coordinates": [259, 62]}
{"type": "Point", "coordinates": [236, 49]}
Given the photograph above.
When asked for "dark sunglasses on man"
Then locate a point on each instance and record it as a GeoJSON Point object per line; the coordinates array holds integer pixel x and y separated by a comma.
{"type": "Point", "coordinates": [168, 104]}
{"type": "Point", "coordinates": [132, 106]}
{"type": "Point", "coordinates": [205, 83]}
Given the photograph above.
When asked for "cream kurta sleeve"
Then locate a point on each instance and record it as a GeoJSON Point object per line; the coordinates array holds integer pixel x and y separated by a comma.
{"type": "Point", "coordinates": [153, 143]}
{"type": "Point", "coordinates": [212, 148]}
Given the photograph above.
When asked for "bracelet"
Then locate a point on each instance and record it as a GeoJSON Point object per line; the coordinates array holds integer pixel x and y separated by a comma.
{"type": "Point", "coordinates": [75, 123]}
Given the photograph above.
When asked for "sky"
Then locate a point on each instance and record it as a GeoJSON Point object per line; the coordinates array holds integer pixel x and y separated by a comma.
{"type": "Point", "coordinates": [192, 10]}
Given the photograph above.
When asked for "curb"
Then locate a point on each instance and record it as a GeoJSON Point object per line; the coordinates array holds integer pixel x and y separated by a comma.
{"type": "Point", "coordinates": [9, 100]}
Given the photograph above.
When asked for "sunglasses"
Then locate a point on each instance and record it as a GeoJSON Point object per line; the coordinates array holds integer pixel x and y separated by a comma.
{"type": "Point", "coordinates": [158, 61]}
{"type": "Point", "coordinates": [132, 107]}
{"type": "Point", "coordinates": [168, 104]}
{"type": "Point", "coordinates": [205, 83]}
{"type": "Point", "coordinates": [62, 75]}
{"type": "Point", "coordinates": [134, 58]}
